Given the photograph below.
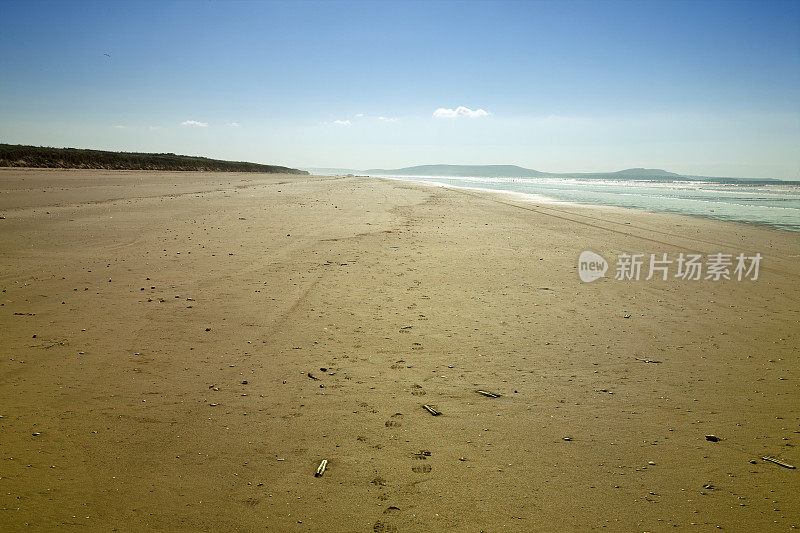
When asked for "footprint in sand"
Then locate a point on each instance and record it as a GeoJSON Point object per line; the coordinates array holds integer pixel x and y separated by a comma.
{"type": "Point", "coordinates": [394, 423]}
{"type": "Point", "coordinates": [382, 527]}
{"type": "Point", "coordinates": [365, 405]}
{"type": "Point", "coordinates": [417, 390]}
{"type": "Point", "coordinates": [421, 469]}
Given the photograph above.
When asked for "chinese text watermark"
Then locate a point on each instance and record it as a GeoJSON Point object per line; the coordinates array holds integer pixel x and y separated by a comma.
{"type": "Point", "coordinates": [684, 266]}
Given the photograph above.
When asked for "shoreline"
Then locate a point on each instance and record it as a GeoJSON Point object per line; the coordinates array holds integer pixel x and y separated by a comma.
{"type": "Point", "coordinates": [535, 197]}
{"type": "Point", "coordinates": [162, 332]}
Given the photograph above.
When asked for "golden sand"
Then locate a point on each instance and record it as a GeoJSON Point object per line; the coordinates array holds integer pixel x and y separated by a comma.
{"type": "Point", "coordinates": [180, 351]}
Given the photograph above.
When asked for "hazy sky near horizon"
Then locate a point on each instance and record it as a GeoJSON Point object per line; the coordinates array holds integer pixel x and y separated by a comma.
{"type": "Point", "coordinates": [705, 88]}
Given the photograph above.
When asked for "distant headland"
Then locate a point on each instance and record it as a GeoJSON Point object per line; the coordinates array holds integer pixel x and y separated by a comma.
{"type": "Point", "coordinates": [514, 171]}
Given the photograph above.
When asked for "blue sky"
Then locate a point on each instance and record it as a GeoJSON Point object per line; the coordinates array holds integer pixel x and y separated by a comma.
{"type": "Point", "coordinates": [707, 88]}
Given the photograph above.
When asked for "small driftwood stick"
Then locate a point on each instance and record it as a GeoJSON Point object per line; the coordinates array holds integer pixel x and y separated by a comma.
{"type": "Point", "coordinates": [321, 468]}
{"type": "Point", "coordinates": [488, 394]}
{"type": "Point", "coordinates": [431, 410]}
{"type": "Point", "coordinates": [778, 462]}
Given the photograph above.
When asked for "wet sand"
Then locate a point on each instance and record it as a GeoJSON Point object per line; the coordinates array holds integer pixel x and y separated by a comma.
{"type": "Point", "coordinates": [160, 331]}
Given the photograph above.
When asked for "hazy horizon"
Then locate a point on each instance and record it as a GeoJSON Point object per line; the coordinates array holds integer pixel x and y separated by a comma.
{"type": "Point", "coordinates": [546, 172]}
{"type": "Point", "coordinates": [702, 88]}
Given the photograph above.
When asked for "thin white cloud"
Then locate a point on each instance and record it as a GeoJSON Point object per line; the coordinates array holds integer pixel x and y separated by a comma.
{"type": "Point", "coordinates": [234, 124]}
{"type": "Point", "coordinates": [195, 123]}
{"type": "Point", "coordinates": [460, 111]}
{"type": "Point", "coordinates": [119, 127]}
{"type": "Point", "coordinates": [356, 119]}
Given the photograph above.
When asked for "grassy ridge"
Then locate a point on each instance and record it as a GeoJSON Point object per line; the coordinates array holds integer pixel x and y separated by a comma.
{"type": "Point", "coordinates": [44, 157]}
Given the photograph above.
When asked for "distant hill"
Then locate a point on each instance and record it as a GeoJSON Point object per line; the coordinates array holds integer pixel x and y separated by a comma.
{"type": "Point", "coordinates": [650, 172]}
{"type": "Point", "coordinates": [628, 173]}
{"type": "Point", "coordinates": [462, 171]}
{"type": "Point", "coordinates": [513, 171]}
{"type": "Point", "coordinates": [44, 157]}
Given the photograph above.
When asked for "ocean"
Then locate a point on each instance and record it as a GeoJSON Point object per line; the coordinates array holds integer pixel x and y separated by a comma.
{"type": "Point", "coordinates": [770, 203]}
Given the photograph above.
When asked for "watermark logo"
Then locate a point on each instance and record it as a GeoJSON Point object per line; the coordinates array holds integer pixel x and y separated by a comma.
{"type": "Point", "coordinates": [684, 266]}
{"type": "Point", "coordinates": [591, 266]}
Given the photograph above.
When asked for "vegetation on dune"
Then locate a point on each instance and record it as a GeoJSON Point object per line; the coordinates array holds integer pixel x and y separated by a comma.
{"type": "Point", "coordinates": [44, 157]}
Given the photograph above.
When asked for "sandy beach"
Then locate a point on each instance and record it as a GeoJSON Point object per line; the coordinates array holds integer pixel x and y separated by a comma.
{"type": "Point", "coordinates": [180, 351]}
